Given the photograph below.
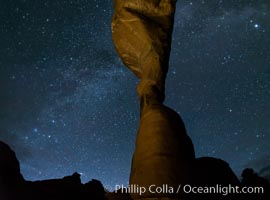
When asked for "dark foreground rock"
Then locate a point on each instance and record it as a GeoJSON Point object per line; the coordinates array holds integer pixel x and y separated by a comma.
{"type": "Point", "coordinates": [207, 173]}
{"type": "Point", "coordinates": [14, 187]}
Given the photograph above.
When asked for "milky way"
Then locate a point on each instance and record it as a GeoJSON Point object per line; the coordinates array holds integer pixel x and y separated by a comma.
{"type": "Point", "coordinates": [68, 104]}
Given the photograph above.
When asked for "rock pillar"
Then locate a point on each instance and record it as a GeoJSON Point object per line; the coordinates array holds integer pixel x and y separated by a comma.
{"type": "Point", "coordinates": [142, 31]}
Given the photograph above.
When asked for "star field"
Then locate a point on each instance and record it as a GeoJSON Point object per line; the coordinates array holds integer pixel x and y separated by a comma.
{"type": "Point", "coordinates": [68, 104]}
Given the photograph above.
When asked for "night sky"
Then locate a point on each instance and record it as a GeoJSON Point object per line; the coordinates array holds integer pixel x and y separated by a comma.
{"type": "Point", "coordinates": [68, 104]}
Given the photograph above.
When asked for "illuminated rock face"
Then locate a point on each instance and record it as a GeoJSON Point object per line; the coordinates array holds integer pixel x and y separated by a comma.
{"type": "Point", "coordinates": [142, 31]}
{"type": "Point", "coordinates": [164, 153]}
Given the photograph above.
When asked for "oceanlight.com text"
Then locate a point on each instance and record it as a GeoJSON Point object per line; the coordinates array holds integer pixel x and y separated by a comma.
{"type": "Point", "coordinates": [188, 189]}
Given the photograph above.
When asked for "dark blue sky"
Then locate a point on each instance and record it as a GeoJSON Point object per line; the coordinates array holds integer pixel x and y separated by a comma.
{"type": "Point", "coordinates": [68, 104]}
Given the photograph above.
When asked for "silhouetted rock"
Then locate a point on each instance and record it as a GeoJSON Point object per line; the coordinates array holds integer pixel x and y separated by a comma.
{"type": "Point", "coordinates": [10, 176]}
{"type": "Point", "coordinates": [253, 180]}
{"type": "Point", "coordinates": [74, 178]}
{"type": "Point", "coordinates": [95, 188]}
{"type": "Point", "coordinates": [249, 177]}
{"type": "Point", "coordinates": [209, 171]}
{"type": "Point", "coordinates": [216, 174]}
{"type": "Point", "coordinates": [14, 187]}
{"type": "Point", "coordinates": [118, 196]}
{"type": "Point", "coordinates": [9, 166]}
{"type": "Point", "coordinates": [265, 172]}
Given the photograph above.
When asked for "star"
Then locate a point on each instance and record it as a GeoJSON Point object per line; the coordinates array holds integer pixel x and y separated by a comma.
{"type": "Point", "coordinates": [257, 26]}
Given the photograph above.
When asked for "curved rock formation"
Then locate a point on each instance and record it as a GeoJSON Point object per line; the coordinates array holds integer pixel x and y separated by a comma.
{"type": "Point", "coordinates": [142, 31]}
